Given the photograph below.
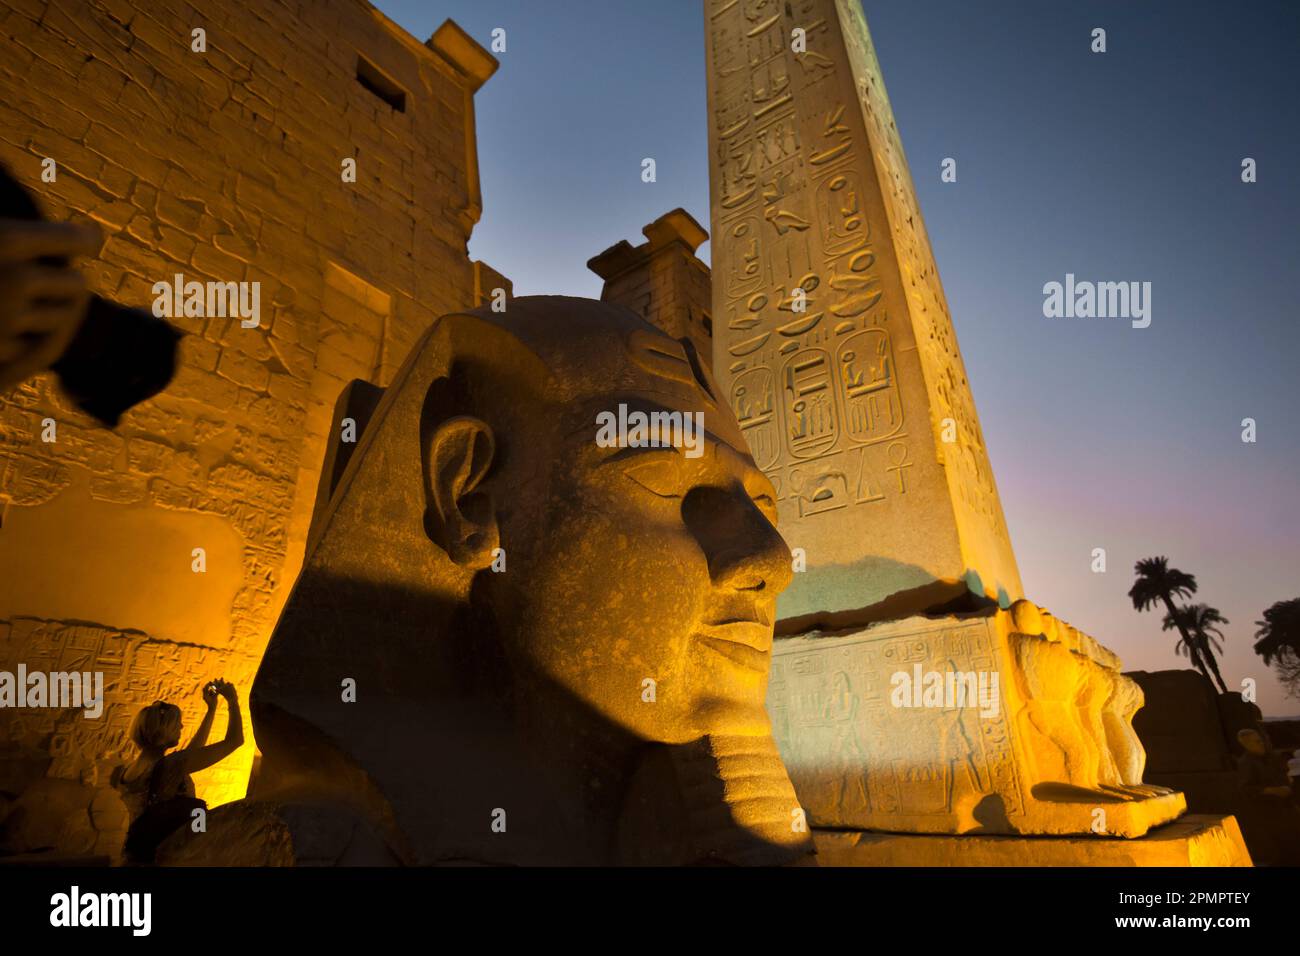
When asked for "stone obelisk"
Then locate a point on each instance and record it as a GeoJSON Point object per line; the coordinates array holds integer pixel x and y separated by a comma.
{"type": "Point", "coordinates": [832, 335]}
{"type": "Point", "coordinates": [900, 700]}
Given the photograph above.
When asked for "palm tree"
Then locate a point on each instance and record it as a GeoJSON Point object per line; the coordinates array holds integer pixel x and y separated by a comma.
{"type": "Point", "coordinates": [1279, 632]}
{"type": "Point", "coordinates": [1201, 622]}
{"type": "Point", "coordinates": [1279, 640]}
{"type": "Point", "coordinates": [1184, 647]}
{"type": "Point", "coordinates": [1158, 583]}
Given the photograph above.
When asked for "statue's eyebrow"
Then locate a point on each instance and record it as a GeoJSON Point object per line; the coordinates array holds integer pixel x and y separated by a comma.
{"type": "Point", "coordinates": [751, 476]}
{"type": "Point", "coordinates": [623, 455]}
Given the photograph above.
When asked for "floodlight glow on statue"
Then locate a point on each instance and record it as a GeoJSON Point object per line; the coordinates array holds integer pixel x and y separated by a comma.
{"type": "Point", "coordinates": [559, 650]}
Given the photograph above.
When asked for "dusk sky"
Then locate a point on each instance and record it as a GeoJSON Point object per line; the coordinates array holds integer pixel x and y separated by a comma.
{"type": "Point", "coordinates": [1122, 166]}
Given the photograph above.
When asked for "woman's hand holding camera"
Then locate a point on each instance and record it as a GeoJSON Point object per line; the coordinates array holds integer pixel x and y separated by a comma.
{"type": "Point", "coordinates": [219, 688]}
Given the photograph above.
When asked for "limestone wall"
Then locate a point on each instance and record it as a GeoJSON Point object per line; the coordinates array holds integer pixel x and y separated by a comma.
{"type": "Point", "coordinates": [223, 165]}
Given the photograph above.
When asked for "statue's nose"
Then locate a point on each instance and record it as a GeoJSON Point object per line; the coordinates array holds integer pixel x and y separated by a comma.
{"type": "Point", "coordinates": [744, 551]}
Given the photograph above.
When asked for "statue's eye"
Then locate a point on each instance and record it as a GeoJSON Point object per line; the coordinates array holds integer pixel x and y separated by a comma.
{"type": "Point", "coordinates": [766, 504]}
{"type": "Point", "coordinates": [662, 478]}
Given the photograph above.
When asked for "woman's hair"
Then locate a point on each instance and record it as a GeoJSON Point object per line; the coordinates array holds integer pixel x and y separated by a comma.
{"type": "Point", "coordinates": [157, 725]}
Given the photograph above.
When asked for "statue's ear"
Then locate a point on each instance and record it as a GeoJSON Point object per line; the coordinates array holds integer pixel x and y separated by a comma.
{"type": "Point", "coordinates": [459, 515]}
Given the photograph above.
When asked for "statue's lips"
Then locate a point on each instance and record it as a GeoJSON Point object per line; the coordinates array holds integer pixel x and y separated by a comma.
{"type": "Point", "coordinates": [745, 642]}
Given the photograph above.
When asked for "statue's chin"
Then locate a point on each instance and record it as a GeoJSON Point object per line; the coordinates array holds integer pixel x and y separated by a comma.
{"type": "Point", "coordinates": [724, 798]}
{"type": "Point", "coordinates": [760, 797]}
{"type": "Point", "coordinates": [727, 717]}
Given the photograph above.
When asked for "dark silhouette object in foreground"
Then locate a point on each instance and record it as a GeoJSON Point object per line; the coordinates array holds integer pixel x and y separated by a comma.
{"type": "Point", "coordinates": [1269, 805]}
{"type": "Point", "coordinates": [107, 357]}
{"type": "Point", "coordinates": [157, 788]}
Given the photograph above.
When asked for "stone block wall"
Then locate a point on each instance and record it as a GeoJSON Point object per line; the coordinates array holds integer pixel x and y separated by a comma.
{"type": "Point", "coordinates": [221, 164]}
{"type": "Point", "coordinates": [662, 280]}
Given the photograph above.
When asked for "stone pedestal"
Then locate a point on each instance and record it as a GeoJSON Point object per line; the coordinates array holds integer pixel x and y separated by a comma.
{"type": "Point", "coordinates": [995, 722]}
{"type": "Point", "coordinates": [1192, 841]}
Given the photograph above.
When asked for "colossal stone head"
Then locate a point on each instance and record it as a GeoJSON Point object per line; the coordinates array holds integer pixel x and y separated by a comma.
{"type": "Point", "coordinates": [514, 642]}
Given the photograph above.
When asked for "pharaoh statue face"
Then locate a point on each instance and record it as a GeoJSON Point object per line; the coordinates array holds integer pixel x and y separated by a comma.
{"type": "Point", "coordinates": [647, 586]}
{"type": "Point", "coordinates": [503, 567]}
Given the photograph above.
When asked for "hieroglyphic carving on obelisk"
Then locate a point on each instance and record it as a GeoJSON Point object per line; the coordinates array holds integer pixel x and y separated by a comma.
{"type": "Point", "coordinates": [832, 337]}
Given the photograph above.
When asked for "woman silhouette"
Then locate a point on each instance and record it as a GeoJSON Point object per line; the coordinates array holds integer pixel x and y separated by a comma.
{"type": "Point", "coordinates": [157, 788]}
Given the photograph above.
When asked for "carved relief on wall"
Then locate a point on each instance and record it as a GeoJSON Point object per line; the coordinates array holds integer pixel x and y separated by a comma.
{"type": "Point", "coordinates": [853, 754]}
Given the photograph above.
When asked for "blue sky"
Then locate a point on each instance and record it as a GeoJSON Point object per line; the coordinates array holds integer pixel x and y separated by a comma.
{"type": "Point", "coordinates": [1116, 166]}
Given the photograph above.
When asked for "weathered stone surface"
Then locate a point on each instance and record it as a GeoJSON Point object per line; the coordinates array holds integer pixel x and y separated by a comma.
{"type": "Point", "coordinates": [1192, 841]}
{"type": "Point", "coordinates": [490, 285]}
{"type": "Point", "coordinates": [989, 722]}
{"type": "Point", "coordinates": [1181, 727]}
{"type": "Point", "coordinates": [64, 818]}
{"type": "Point", "coordinates": [566, 637]}
{"type": "Point", "coordinates": [252, 833]}
{"type": "Point", "coordinates": [856, 405]}
{"type": "Point", "coordinates": [227, 163]}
